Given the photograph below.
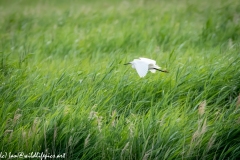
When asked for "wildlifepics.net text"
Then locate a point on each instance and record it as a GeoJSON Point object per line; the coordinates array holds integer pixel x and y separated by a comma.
{"type": "Point", "coordinates": [35, 155]}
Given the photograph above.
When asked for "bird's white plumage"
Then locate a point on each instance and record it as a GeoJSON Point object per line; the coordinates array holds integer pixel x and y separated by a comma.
{"type": "Point", "coordinates": [147, 60]}
{"type": "Point", "coordinates": [142, 65]}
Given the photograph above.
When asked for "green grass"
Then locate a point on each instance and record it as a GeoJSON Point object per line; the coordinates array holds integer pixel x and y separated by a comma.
{"type": "Point", "coordinates": [64, 88]}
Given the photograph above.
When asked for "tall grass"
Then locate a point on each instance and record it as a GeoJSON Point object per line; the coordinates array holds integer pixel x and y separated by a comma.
{"type": "Point", "coordinates": [64, 88]}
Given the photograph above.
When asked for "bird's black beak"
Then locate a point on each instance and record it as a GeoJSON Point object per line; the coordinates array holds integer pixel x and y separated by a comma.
{"type": "Point", "coordinates": [127, 63]}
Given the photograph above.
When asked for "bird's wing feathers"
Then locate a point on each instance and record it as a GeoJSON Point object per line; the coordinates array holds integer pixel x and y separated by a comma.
{"type": "Point", "coordinates": [150, 61]}
{"type": "Point", "coordinates": [141, 67]}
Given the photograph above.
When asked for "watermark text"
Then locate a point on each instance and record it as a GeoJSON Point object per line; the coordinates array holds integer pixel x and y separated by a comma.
{"type": "Point", "coordinates": [39, 155]}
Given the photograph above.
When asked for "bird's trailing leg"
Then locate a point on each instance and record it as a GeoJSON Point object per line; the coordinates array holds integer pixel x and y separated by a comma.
{"type": "Point", "coordinates": [127, 63]}
{"type": "Point", "coordinates": [161, 70]}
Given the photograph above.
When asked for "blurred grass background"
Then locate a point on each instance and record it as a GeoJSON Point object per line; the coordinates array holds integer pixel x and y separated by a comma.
{"type": "Point", "coordinates": [64, 88]}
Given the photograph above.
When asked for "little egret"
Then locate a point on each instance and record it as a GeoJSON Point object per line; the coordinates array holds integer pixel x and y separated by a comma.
{"type": "Point", "coordinates": [142, 65]}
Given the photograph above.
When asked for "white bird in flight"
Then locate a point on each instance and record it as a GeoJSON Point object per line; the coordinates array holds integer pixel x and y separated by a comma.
{"type": "Point", "coordinates": [142, 65]}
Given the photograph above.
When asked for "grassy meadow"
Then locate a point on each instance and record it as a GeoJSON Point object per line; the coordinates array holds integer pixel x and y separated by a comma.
{"type": "Point", "coordinates": [64, 88]}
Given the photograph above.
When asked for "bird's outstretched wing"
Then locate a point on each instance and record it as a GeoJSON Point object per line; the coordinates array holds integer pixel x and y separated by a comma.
{"type": "Point", "coordinates": [141, 67]}
{"type": "Point", "coordinates": [147, 60]}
